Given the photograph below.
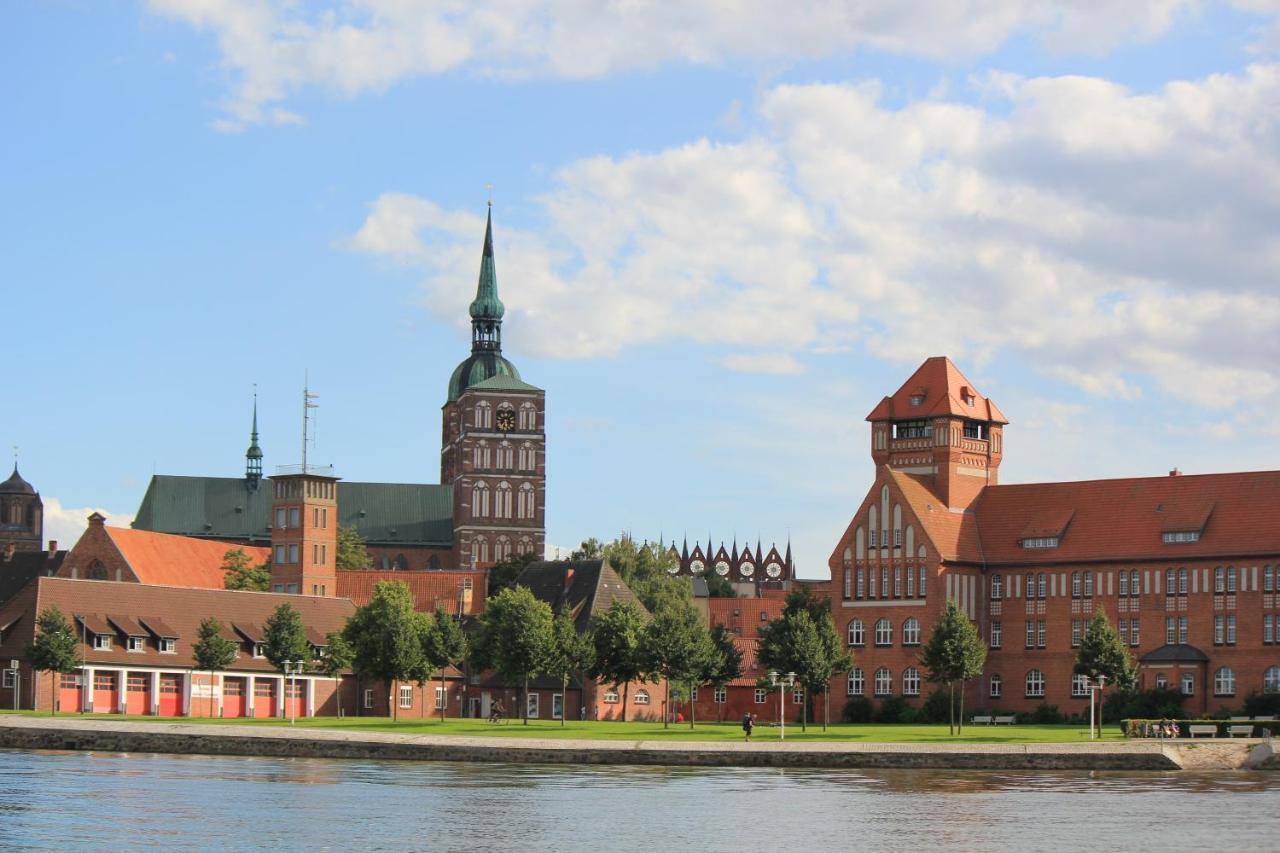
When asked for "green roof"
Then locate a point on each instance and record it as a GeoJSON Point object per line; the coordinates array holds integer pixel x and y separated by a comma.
{"type": "Point", "coordinates": [479, 367]}
{"type": "Point", "coordinates": [226, 508]}
{"type": "Point", "coordinates": [502, 382]}
{"type": "Point", "coordinates": [487, 305]}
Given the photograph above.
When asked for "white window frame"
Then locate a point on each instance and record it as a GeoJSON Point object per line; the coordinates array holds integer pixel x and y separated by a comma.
{"type": "Point", "coordinates": [857, 633]}
{"type": "Point", "coordinates": [102, 642]}
{"type": "Point", "coordinates": [557, 706]}
{"type": "Point", "coordinates": [136, 644]}
{"type": "Point", "coordinates": [1224, 681]}
{"type": "Point", "coordinates": [911, 631]}
{"type": "Point", "coordinates": [884, 632]}
{"type": "Point", "coordinates": [997, 633]}
{"type": "Point", "coordinates": [911, 681]}
{"type": "Point", "coordinates": [441, 695]}
{"type": "Point", "coordinates": [611, 697]}
{"type": "Point", "coordinates": [1034, 687]}
{"type": "Point", "coordinates": [761, 695]}
{"type": "Point", "coordinates": [368, 697]}
{"type": "Point", "coordinates": [720, 696]}
{"type": "Point", "coordinates": [406, 696]}
{"type": "Point", "coordinates": [10, 679]}
{"type": "Point", "coordinates": [167, 646]}
{"type": "Point", "coordinates": [1187, 684]}
{"type": "Point", "coordinates": [1079, 686]}
{"type": "Point", "coordinates": [533, 703]}
{"type": "Point", "coordinates": [996, 685]}
{"type": "Point", "coordinates": [857, 683]}
{"type": "Point", "coordinates": [883, 682]}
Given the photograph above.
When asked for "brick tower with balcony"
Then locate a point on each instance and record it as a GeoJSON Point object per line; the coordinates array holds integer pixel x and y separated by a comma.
{"type": "Point", "coordinates": [493, 441]}
{"type": "Point", "coordinates": [304, 530]}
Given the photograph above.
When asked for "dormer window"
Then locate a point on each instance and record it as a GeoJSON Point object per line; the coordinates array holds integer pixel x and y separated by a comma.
{"type": "Point", "coordinates": [1040, 542]}
{"type": "Point", "coordinates": [917, 399]}
{"type": "Point", "coordinates": [168, 646]}
{"type": "Point", "coordinates": [1175, 537]}
{"type": "Point", "coordinates": [137, 644]}
{"type": "Point", "coordinates": [260, 650]}
{"type": "Point", "coordinates": [102, 642]}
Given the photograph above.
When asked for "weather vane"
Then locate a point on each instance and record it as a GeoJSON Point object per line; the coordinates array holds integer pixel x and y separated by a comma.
{"type": "Point", "coordinates": [489, 190]}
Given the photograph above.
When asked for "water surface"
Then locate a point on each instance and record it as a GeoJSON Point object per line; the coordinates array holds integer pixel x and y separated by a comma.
{"type": "Point", "coordinates": [94, 800]}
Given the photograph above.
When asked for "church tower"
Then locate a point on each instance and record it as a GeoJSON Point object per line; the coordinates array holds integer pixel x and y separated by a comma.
{"type": "Point", "coordinates": [937, 426]}
{"type": "Point", "coordinates": [253, 456]}
{"type": "Point", "coordinates": [493, 442]}
{"type": "Point", "coordinates": [21, 514]}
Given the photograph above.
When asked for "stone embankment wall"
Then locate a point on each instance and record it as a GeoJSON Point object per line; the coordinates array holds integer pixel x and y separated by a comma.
{"type": "Point", "coordinates": [178, 738]}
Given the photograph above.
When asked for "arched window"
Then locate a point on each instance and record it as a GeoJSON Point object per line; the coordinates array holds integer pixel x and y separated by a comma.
{"type": "Point", "coordinates": [1224, 682]}
{"type": "Point", "coordinates": [528, 416]}
{"type": "Point", "coordinates": [525, 544]}
{"type": "Point", "coordinates": [506, 456]}
{"type": "Point", "coordinates": [524, 501]}
{"type": "Point", "coordinates": [480, 500]}
{"type": "Point", "coordinates": [502, 548]}
{"type": "Point", "coordinates": [480, 455]}
{"type": "Point", "coordinates": [97, 571]}
{"type": "Point", "coordinates": [884, 633]}
{"type": "Point", "coordinates": [911, 632]}
{"type": "Point", "coordinates": [911, 681]}
{"type": "Point", "coordinates": [996, 684]}
{"type": "Point", "coordinates": [480, 550]}
{"type": "Point", "coordinates": [857, 682]}
{"type": "Point", "coordinates": [502, 501]}
{"type": "Point", "coordinates": [1271, 680]}
{"type": "Point", "coordinates": [642, 696]}
{"type": "Point", "coordinates": [884, 682]}
{"type": "Point", "coordinates": [997, 587]}
{"type": "Point", "coordinates": [526, 457]}
{"type": "Point", "coordinates": [1035, 683]}
{"type": "Point", "coordinates": [857, 633]}
{"type": "Point", "coordinates": [484, 415]}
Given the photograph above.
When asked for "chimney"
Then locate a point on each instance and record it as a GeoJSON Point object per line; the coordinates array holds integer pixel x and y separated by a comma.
{"type": "Point", "coordinates": [1175, 473]}
{"type": "Point", "coordinates": [97, 519]}
{"type": "Point", "coordinates": [53, 547]}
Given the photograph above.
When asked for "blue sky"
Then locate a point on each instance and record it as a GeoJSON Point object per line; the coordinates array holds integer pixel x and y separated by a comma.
{"type": "Point", "coordinates": [720, 238]}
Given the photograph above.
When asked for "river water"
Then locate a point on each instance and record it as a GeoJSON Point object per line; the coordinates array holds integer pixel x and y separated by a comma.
{"type": "Point", "coordinates": [109, 801]}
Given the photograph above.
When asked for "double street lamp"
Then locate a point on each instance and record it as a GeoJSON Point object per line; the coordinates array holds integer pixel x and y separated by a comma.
{"type": "Point", "coordinates": [1094, 688]}
{"type": "Point", "coordinates": [292, 669]}
{"type": "Point", "coordinates": [787, 681]}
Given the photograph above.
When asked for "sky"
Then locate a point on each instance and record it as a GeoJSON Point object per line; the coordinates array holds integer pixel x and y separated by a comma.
{"type": "Point", "coordinates": [723, 232]}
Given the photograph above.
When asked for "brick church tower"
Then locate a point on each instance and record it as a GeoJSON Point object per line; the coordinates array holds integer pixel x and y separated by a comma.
{"type": "Point", "coordinates": [493, 444]}
{"type": "Point", "coordinates": [21, 514]}
{"type": "Point", "coordinates": [937, 425]}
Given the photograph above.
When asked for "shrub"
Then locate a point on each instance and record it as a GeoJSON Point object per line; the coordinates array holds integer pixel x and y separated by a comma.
{"type": "Point", "coordinates": [1046, 714]}
{"type": "Point", "coordinates": [935, 708]}
{"type": "Point", "coordinates": [1262, 704]}
{"type": "Point", "coordinates": [856, 710]}
{"type": "Point", "coordinates": [892, 709]}
{"type": "Point", "coordinates": [1154, 704]}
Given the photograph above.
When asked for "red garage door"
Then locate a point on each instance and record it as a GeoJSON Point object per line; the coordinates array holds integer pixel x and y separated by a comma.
{"type": "Point", "coordinates": [69, 695]}
{"type": "Point", "coordinates": [106, 692]}
{"type": "Point", "coordinates": [138, 693]}
{"type": "Point", "coordinates": [233, 696]}
{"type": "Point", "coordinates": [170, 695]}
{"type": "Point", "coordinates": [295, 705]}
{"type": "Point", "coordinates": [264, 697]}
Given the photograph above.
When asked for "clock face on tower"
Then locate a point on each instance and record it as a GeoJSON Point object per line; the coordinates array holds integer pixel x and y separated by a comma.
{"type": "Point", "coordinates": [747, 569]}
{"type": "Point", "coordinates": [673, 569]}
{"type": "Point", "coordinates": [773, 570]}
{"type": "Point", "coordinates": [722, 568]}
{"type": "Point", "coordinates": [697, 566]}
{"type": "Point", "coordinates": [506, 420]}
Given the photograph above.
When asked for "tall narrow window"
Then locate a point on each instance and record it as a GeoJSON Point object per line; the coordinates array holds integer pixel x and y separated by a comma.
{"type": "Point", "coordinates": [922, 576]}
{"type": "Point", "coordinates": [860, 590]}
{"type": "Point", "coordinates": [1219, 580]}
{"type": "Point", "coordinates": [1042, 586]}
{"type": "Point", "coordinates": [1088, 584]}
{"type": "Point", "coordinates": [1231, 579]}
{"type": "Point", "coordinates": [897, 582]}
{"type": "Point", "coordinates": [995, 634]}
{"type": "Point", "coordinates": [911, 582]}
{"type": "Point", "coordinates": [997, 588]}
{"type": "Point", "coordinates": [1231, 629]}
{"type": "Point", "coordinates": [1170, 630]}
{"type": "Point", "coordinates": [1182, 629]}
{"type": "Point", "coordinates": [1182, 581]}
{"type": "Point", "coordinates": [1075, 584]}
{"type": "Point", "coordinates": [1170, 582]}
{"type": "Point", "coordinates": [1124, 584]}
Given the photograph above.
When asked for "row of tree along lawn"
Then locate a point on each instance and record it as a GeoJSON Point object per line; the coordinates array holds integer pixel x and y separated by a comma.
{"type": "Point", "coordinates": [518, 637]}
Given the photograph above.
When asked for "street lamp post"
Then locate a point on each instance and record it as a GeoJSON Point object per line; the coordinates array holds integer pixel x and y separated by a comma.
{"type": "Point", "coordinates": [782, 681]}
{"type": "Point", "coordinates": [292, 669]}
{"type": "Point", "coordinates": [1095, 687]}
{"type": "Point", "coordinates": [16, 678]}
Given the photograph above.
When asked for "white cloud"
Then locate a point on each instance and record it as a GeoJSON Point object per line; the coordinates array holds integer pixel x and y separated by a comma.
{"type": "Point", "coordinates": [779, 363]}
{"type": "Point", "coordinates": [65, 524]}
{"type": "Point", "coordinates": [272, 49]}
{"type": "Point", "coordinates": [1111, 239]}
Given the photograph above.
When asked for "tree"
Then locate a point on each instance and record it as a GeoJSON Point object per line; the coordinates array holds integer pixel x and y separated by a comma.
{"type": "Point", "coordinates": [675, 645]}
{"type": "Point", "coordinates": [514, 638]}
{"type": "Point", "coordinates": [648, 570]}
{"type": "Point", "coordinates": [1103, 654]}
{"type": "Point", "coordinates": [336, 660]}
{"type": "Point", "coordinates": [443, 645]}
{"type": "Point", "coordinates": [212, 651]}
{"type": "Point", "coordinates": [724, 664]}
{"type": "Point", "coordinates": [791, 643]}
{"type": "Point", "coordinates": [505, 571]}
{"type": "Point", "coordinates": [284, 638]}
{"type": "Point", "coordinates": [833, 659]}
{"type": "Point", "coordinates": [353, 551]}
{"type": "Point", "coordinates": [54, 651]}
{"type": "Point", "coordinates": [717, 587]}
{"type": "Point", "coordinates": [954, 653]}
{"type": "Point", "coordinates": [618, 639]}
{"type": "Point", "coordinates": [241, 573]}
{"type": "Point", "coordinates": [571, 652]}
{"type": "Point", "coordinates": [385, 638]}
{"type": "Point", "coordinates": [590, 549]}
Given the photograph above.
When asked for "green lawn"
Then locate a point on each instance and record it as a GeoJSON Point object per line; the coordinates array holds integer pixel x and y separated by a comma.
{"type": "Point", "coordinates": [869, 733]}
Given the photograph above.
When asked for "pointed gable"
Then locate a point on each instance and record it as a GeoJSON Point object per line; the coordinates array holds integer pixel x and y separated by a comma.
{"type": "Point", "coordinates": [937, 388]}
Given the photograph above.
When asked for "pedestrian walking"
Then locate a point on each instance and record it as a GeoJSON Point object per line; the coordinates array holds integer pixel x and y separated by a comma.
{"type": "Point", "coordinates": [748, 723]}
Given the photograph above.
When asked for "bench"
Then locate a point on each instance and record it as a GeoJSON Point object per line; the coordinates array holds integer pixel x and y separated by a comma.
{"type": "Point", "coordinates": [981, 720]}
{"type": "Point", "coordinates": [1239, 719]}
{"type": "Point", "coordinates": [1196, 731]}
{"type": "Point", "coordinates": [1239, 731]}
{"type": "Point", "coordinates": [1005, 721]}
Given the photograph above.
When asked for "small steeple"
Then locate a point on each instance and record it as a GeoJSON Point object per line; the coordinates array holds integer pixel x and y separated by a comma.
{"type": "Point", "coordinates": [790, 565]}
{"type": "Point", "coordinates": [253, 456]}
{"type": "Point", "coordinates": [487, 309]}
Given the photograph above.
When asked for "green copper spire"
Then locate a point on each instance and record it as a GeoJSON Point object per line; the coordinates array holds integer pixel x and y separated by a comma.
{"type": "Point", "coordinates": [487, 308]}
{"type": "Point", "coordinates": [253, 456]}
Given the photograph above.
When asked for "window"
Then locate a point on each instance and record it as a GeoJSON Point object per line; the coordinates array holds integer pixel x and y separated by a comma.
{"type": "Point", "coordinates": [1231, 578]}
{"type": "Point", "coordinates": [280, 554]}
{"type": "Point", "coordinates": [642, 697]}
{"type": "Point", "coordinates": [917, 399]}
{"type": "Point", "coordinates": [859, 588]}
{"type": "Point", "coordinates": [1188, 684]}
{"type": "Point", "coordinates": [440, 698]}
{"type": "Point", "coordinates": [1031, 586]}
{"type": "Point", "coordinates": [797, 697]}
{"type": "Point", "coordinates": [1171, 582]}
{"type": "Point", "coordinates": [1268, 632]}
{"type": "Point", "coordinates": [997, 587]}
{"type": "Point", "coordinates": [1133, 633]}
{"type": "Point", "coordinates": [280, 518]}
{"type": "Point", "coordinates": [1271, 680]}
{"type": "Point", "coordinates": [1268, 579]}
{"type": "Point", "coordinates": [1040, 542]}
{"type": "Point", "coordinates": [1176, 536]}
{"type": "Point", "coordinates": [102, 641]}
{"type": "Point", "coordinates": [1219, 630]}
{"type": "Point", "coordinates": [1042, 585]}
{"type": "Point", "coordinates": [913, 429]}
{"type": "Point", "coordinates": [1031, 635]}
{"type": "Point", "coordinates": [1182, 629]}
{"type": "Point", "coordinates": [406, 696]}
{"type": "Point", "coordinates": [1079, 685]}
{"type": "Point", "coordinates": [884, 633]}
{"type": "Point", "coordinates": [295, 516]}
{"type": "Point", "coordinates": [611, 697]}
{"type": "Point", "coordinates": [1219, 580]}
{"type": "Point", "coordinates": [1182, 581]}
{"type": "Point", "coordinates": [557, 706]}
{"type": "Point", "coordinates": [531, 703]}
{"type": "Point", "coordinates": [884, 582]}
{"type": "Point", "coordinates": [996, 684]}
{"type": "Point", "coordinates": [1122, 628]}
{"type": "Point", "coordinates": [293, 553]}
{"type": "Point", "coordinates": [911, 681]}
{"type": "Point", "coordinates": [884, 682]}
{"type": "Point", "coordinates": [484, 415]}
{"type": "Point", "coordinates": [1040, 634]}
{"type": "Point", "coordinates": [857, 633]}
{"type": "Point", "coordinates": [972, 429]}
{"type": "Point", "coordinates": [858, 682]}
{"type": "Point", "coordinates": [259, 650]}
{"type": "Point", "coordinates": [1088, 584]}
{"type": "Point", "coordinates": [1124, 584]}
{"type": "Point", "coordinates": [1231, 629]}
{"type": "Point", "coordinates": [1162, 681]}
{"type": "Point", "coordinates": [995, 634]}
{"type": "Point", "coordinates": [502, 501]}
{"type": "Point", "coordinates": [720, 696]}
{"type": "Point", "coordinates": [1170, 630]}
{"type": "Point", "coordinates": [1035, 683]}
{"type": "Point", "coordinates": [137, 644]}
{"type": "Point", "coordinates": [922, 577]}
{"type": "Point", "coordinates": [1075, 584]}
{"type": "Point", "coordinates": [911, 582]}
{"type": "Point", "coordinates": [911, 632]}
{"type": "Point", "coordinates": [897, 583]}
{"type": "Point", "coordinates": [1224, 682]}
{"type": "Point", "coordinates": [1134, 592]}
{"type": "Point", "coordinates": [480, 500]}
{"type": "Point", "coordinates": [10, 679]}
{"type": "Point", "coordinates": [524, 501]}
{"type": "Point", "coordinates": [873, 536]}
{"type": "Point", "coordinates": [761, 695]}
{"type": "Point", "coordinates": [1076, 627]}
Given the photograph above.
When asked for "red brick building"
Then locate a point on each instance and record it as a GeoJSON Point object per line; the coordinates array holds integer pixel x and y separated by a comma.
{"type": "Point", "coordinates": [751, 573]}
{"type": "Point", "coordinates": [1187, 567]}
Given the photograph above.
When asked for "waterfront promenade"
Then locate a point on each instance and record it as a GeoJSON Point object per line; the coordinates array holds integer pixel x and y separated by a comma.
{"type": "Point", "coordinates": [81, 733]}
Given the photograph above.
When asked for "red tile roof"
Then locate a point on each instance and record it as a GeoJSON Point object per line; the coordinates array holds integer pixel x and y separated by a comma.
{"type": "Point", "coordinates": [742, 615]}
{"type": "Point", "coordinates": [946, 391]}
{"type": "Point", "coordinates": [430, 589]}
{"type": "Point", "coordinates": [751, 671]}
{"type": "Point", "coordinates": [168, 560]}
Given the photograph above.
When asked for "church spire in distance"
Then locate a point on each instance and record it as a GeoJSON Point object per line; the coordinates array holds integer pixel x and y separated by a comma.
{"type": "Point", "coordinates": [253, 456]}
{"type": "Point", "coordinates": [487, 309]}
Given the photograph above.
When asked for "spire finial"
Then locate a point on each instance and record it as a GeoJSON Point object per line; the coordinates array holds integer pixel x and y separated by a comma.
{"type": "Point", "coordinates": [487, 309]}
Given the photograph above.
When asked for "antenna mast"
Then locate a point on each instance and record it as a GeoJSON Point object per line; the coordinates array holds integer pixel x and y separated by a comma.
{"type": "Point", "coordinates": [308, 403]}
